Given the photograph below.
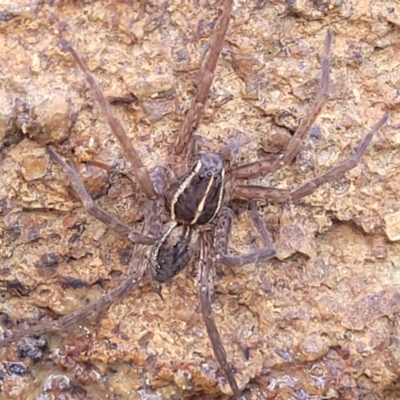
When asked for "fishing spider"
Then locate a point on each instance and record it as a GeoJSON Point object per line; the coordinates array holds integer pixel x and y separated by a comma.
{"type": "Point", "coordinates": [196, 201]}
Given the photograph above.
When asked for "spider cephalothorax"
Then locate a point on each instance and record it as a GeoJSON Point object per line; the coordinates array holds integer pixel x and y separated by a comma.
{"type": "Point", "coordinates": [196, 197]}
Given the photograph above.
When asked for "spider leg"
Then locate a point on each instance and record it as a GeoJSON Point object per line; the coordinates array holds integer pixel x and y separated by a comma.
{"type": "Point", "coordinates": [184, 140]}
{"type": "Point", "coordinates": [204, 289]}
{"type": "Point", "coordinates": [92, 208]}
{"type": "Point", "coordinates": [131, 280]}
{"type": "Point", "coordinates": [139, 169]}
{"type": "Point", "coordinates": [274, 194]}
{"type": "Point", "coordinates": [223, 229]}
{"type": "Point", "coordinates": [67, 321]}
{"type": "Point", "coordinates": [258, 168]}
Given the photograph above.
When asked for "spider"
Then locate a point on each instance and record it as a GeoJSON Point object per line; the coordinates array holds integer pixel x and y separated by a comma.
{"type": "Point", "coordinates": [196, 198]}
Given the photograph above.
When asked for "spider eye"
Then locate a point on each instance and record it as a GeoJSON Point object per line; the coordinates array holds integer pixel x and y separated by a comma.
{"type": "Point", "coordinates": [202, 176]}
{"type": "Point", "coordinates": [209, 174]}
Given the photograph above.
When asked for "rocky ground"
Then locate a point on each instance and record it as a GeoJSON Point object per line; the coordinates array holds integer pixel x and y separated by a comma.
{"type": "Point", "coordinates": [318, 322]}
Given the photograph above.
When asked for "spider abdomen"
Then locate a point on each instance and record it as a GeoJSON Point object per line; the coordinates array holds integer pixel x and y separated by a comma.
{"type": "Point", "coordinates": [172, 252]}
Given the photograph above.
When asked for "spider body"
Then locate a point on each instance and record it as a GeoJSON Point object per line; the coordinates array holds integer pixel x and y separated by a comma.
{"type": "Point", "coordinates": [194, 200]}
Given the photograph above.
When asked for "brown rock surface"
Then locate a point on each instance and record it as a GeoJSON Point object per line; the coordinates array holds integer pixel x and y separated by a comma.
{"type": "Point", "coordinates": [319, 323]}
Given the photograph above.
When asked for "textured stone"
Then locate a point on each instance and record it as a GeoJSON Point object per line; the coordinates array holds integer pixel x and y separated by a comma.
{"type": "Point", "coordinates": [320, 322]}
